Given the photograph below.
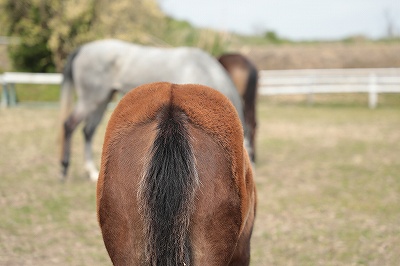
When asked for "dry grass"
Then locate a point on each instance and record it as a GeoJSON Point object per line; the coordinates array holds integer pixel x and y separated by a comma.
{"type": "Point", "coordinates": [300, 56]}
{"type": "Point", "coordinates": [329, 185]}
{"type": "Point", "coordinates": [44, 222]}
{"type": "Point", "coordinates": [325, 55]}
{"type": "Point", "coordinates": [327, 176]}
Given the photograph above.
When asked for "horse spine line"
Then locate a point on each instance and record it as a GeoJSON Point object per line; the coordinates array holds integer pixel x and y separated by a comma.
{"type": "Point", "coordinates": [167, 192]}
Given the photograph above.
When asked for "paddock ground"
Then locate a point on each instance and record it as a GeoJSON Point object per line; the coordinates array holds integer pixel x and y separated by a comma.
{"type": "Point", "coordinates": [328, 180]}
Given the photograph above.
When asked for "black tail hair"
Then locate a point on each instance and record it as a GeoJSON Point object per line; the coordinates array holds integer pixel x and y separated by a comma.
{"type": "Point", "coordinates": [167, 192]}
{"type": "Point", "coordinates": [251, 86]}
{"type": "Point", "coordinates": [250, 97]}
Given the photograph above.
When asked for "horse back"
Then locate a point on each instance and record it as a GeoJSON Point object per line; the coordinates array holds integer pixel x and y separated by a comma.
{"type": "Point", "coordinates": [238, 69]}
{"type": "Point", "coordinates": [221, 211]}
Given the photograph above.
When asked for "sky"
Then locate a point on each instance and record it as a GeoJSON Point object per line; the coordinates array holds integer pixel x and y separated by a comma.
{"type": "Point", "coordinates": [293, 19]}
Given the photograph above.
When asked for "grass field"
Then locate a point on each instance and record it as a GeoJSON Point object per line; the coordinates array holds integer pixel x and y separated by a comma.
{"type": "Point", "coordinates": [328, 179]}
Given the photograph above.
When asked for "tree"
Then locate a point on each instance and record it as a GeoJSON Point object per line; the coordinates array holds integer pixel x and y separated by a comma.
{"type": "Point", "coordinates": [28, 21]}
{"type": "Point", "coordinates": [50, 29]}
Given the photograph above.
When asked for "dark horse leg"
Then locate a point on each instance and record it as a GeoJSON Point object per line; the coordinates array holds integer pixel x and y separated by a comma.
{"type": "Point", "coordinates": [69, 126]}
{"type": "Point", "coordinates": [91, 124]}
{"type": "Point", "coordinates": [83, 111]}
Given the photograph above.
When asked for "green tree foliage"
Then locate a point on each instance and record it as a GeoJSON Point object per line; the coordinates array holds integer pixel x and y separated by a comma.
{"type": "Point", "coordinates": [29, 23]}
{"type": "Point", "coordinates": [49, 30]}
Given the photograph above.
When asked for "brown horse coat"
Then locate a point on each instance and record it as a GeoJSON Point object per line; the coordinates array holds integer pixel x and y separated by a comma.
{"type": "Point", "coordinates": [219, 203]}
{"type": "Point", "coordinates": [244, 75]}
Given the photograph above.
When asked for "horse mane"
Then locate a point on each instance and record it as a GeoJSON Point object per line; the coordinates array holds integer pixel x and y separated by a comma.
{"type": "Point", "coordinates": [167, 192]}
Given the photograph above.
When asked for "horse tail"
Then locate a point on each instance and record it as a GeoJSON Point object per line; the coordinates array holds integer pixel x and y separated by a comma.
{"type": "Point", "coordinates": [251, 86]}
{"type": "Point", "coordinates": [66, 93]}
{"type": "Point", "coordinates": [167, 192]}
{"type": "Point", "coordinates": [249, 98]}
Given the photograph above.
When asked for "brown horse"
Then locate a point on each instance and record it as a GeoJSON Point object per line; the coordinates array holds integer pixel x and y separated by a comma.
{"type": "Point", "coordinates": [245, 76]}
{"type": "Point", "coordinates": [176, 184]}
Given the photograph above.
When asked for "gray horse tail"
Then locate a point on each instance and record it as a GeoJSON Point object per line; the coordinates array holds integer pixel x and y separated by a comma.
{"type": "Point", "coordinates": [167, 192]}
{"type": "Point", "coordinates": [66, 93]}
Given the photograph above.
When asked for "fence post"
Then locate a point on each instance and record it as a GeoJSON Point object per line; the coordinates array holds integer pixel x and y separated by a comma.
{"type": "Point", "coordinates": [372, 91]}
{"type": "Point", "coordinates": [310, 95]}
{"type": "Point", "coordinates": [4, 96]}
{"type": "Point", "coordinates": [12, 94]}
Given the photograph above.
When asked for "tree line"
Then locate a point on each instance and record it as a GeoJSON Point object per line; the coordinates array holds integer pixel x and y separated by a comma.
{"type": "Point", "coordinates": [48, 30]}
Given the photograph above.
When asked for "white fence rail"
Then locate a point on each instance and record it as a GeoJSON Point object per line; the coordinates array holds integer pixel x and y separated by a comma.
{"type": "Point", "coordinates": [271, 82]}
{"type": "Point", "coordinates": [32, 78]}
{"type": "Point", "coordinates": [313, 81]}
{"type": "Point", "coordinates": [9, 79]}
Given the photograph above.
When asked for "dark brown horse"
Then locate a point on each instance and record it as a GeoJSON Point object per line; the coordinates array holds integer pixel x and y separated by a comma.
{"type": "Point", "coordinates": [176, 184]}
{"type": "Point", "coordinates": [245, 76]}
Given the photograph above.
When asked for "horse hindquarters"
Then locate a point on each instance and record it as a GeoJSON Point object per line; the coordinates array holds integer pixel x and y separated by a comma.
{"type": "Point", "coordinates": [216, 222]}
{"type": "Point", "coordinates": [117, 203]}
{"type": "Point", "coordinates": [215, 217]}
{"type": "Point", "coordinates": [242, 250]}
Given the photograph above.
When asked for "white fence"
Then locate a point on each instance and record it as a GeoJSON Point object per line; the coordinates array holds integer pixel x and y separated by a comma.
{"type": "Point", "coordinates": [271, 82]}
{"type": "Point", "coordinates": [9, 79]}
{"type": "Point", "coordinates": [313, 81]}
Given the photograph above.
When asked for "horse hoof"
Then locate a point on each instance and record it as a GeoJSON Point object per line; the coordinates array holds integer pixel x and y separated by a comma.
{"type": "Point", "coordinates": [62, 178]}
{"type": "Point", "coordinates": [94, 176]}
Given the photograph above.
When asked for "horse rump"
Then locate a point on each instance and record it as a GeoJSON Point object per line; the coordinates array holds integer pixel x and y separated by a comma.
{"type": "Point", "coordinates": [175, 184]}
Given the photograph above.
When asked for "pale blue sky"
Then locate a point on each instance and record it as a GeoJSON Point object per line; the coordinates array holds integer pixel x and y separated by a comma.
{"type": "Point", "coordinates": [295, 19]}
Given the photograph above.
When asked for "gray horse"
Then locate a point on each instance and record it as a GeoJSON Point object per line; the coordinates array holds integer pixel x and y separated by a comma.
{"type": "Point", "coordinates": [99, 69]}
